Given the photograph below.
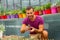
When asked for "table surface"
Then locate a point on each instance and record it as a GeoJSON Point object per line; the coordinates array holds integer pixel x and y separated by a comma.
{"type": "Point", "coordinates": [13, 37]}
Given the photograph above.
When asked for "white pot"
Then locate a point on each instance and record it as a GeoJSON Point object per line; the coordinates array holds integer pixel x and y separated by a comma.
{"type": "Point", "coordinates": [1, 34]}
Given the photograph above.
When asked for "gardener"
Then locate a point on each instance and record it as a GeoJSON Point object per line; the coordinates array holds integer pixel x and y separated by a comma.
{"type": "Point", "coordinates": [35, 24]}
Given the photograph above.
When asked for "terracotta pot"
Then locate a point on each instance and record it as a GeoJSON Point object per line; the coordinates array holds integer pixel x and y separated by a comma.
{"type": "Point", "coordinates": [58, 9]}
{"type": "Point", "coordinates": [20, 15]}
{"type": "Point", "coordinates": [53, 10]}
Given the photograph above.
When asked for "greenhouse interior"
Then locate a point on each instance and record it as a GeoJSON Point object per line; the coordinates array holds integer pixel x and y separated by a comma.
{"type": "Point", "coordinates": [13, 12]}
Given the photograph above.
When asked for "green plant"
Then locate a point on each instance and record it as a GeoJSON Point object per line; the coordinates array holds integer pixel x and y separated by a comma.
{"type": "Point", "coordinates": [2, 27]}
{"type": "Point", "coordinates": [58, 3]}
{"type": "Point", "coordinates": [10, 12]}
{"type": "Point", "coordinates": [37, 8]}
{"type": "Point", "coordinates": [42, 7]}
{"type": "Point", "coordinates": [23, 10]}
{"type": "Point", "coordinates": [2, 12]}
{"type": "Point", "coordinates": [16, 11]}
{"type": "Point", "coordinates": [19, 12]}
{"type": "Point", "coordinates": [7, 12]}
{"type": "Point", "coordinates": [47, 6]}
{"type": "Point", "coordinates": [13, 12]}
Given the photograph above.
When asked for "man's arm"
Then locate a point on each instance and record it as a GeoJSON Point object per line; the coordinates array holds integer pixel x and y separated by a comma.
{"type": "Point", "coordinates": [23, 28]}
{"type": "Point", "coordinates": [24, 24]}
{"type": "Point", "coordinates": [41, 27]}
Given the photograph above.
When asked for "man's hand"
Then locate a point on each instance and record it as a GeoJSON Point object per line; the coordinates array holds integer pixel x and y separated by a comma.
{"type": "Point", "coordinates": [32, 29]}
{"type": "Point", "coordinates": [23, 28]}
{"type": "Point", "coordinates": [22, 31]}
{"type": "Point", "coordinates": [27, 29]}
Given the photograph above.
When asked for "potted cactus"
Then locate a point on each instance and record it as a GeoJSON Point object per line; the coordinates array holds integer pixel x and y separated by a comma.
{"type": "Point", "coordinates": [47, 8]}
{"type": "Point", "coordinates": [2, 29]}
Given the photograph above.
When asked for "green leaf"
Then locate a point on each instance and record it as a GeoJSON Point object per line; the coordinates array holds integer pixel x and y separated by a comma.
{"type": "Point", "coordinates": [23, 10]}
{"type": "Point", "coordinates": [37, 8]}
{"type": "Point", "coordinates": [48, 5]}
{"type": "Point", "coordinates": [58, 3]}
{"type": "Point", "coordinates": [2, 27]}
{"type": "Point", "coordinates": [42, 7]}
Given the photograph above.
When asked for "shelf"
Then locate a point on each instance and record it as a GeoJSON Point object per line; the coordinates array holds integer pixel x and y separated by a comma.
{"type": "Point", "coordinates": [10, 19]}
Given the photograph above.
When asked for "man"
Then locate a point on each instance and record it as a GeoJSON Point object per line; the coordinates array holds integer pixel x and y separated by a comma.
{"type": "Point", "coordinates": [35, 24]}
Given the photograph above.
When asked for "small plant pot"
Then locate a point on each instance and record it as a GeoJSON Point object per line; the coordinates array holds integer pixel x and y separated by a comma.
{"type": "Point", "coordinates": [58, 9]}
{"type": "Point", "coordinates": [40, 12]}
{"type": "Point", "coordinates": [36, 12]}
{"type": "Point", "coordinates": [20, 15]}
{"type": "Point", "coordinates": [8, 16]}
{"type": "Point", "coordinates": [12, 16]}
{"type": "Point", "coordinates": [43, 11]}
{"type": "Point", "coordinates": [0, 17]}
{"type": "Point", "coordinates": [24, 15]}
{"type": "Point", "coordinates": [4, 17]}
{"type": "Point", "coordinates": [1, 34]}
{"type": "Point", "coordinates": [48, 11]}
{"type": "Point", "coordinates": [53, 10]}
{"type": "Point", "coordinates": [16, 16]}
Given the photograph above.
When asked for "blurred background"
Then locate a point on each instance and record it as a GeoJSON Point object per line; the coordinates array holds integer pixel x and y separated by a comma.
{"type": "Point", "coordinates": [14, 4]}
{"type": "Point", "coordinates": [12, 12]}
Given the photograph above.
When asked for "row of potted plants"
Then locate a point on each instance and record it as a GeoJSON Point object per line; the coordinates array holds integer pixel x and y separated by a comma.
{"type": "Point", "coordinates": [12, 14]}
{"type": "Point", "coordinates": [47, 9]}
{"type": "Point", "coordinates": [39, 10]}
